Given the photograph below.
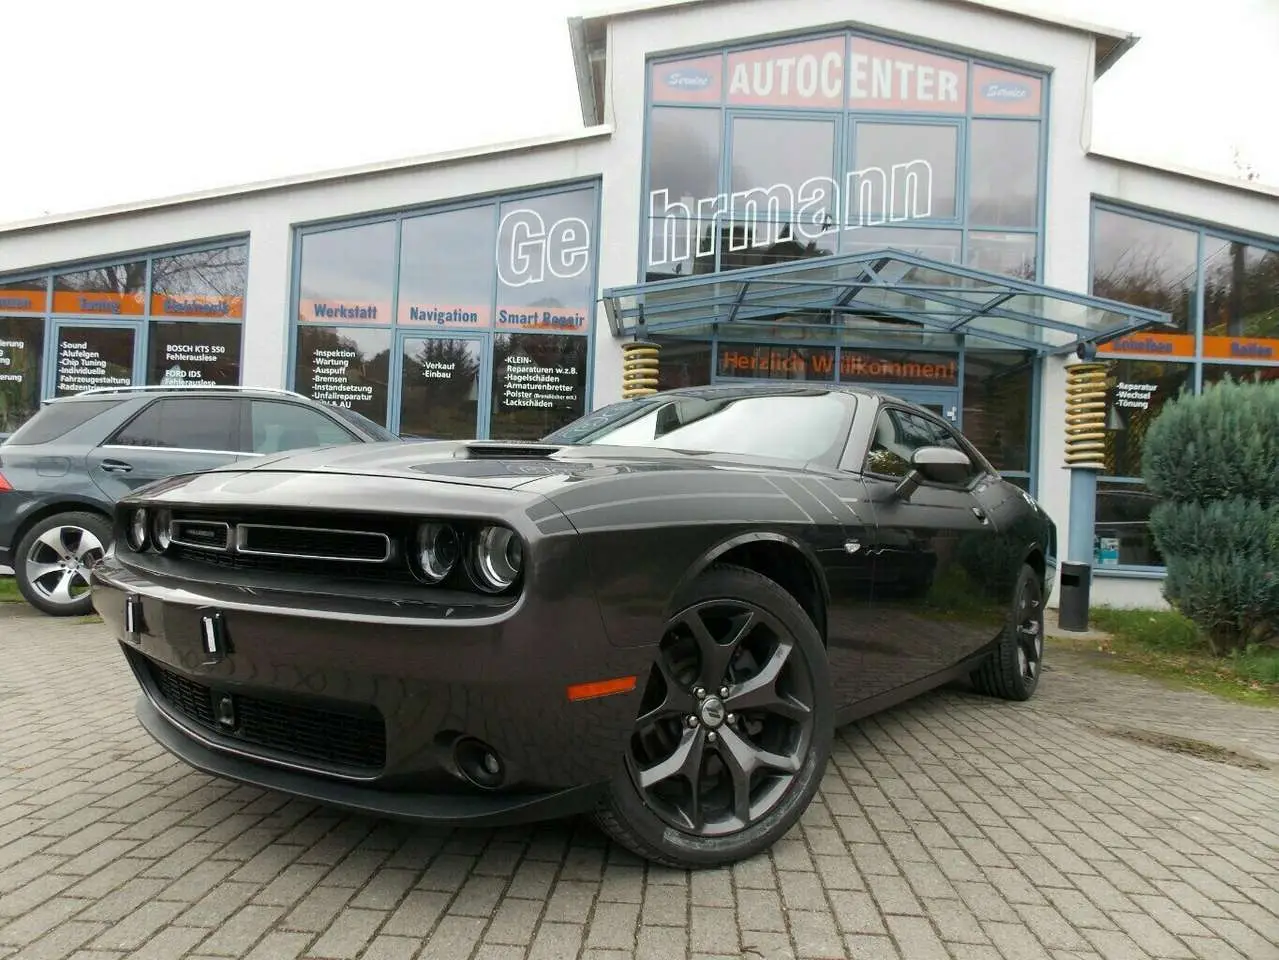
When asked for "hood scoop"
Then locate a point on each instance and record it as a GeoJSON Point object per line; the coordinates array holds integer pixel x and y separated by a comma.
{"type": "Point", "coordinates": [507, 450]}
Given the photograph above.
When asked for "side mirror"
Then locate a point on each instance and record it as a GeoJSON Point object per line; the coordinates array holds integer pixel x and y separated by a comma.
{"type": "Point", "coordinates": [936, 465]}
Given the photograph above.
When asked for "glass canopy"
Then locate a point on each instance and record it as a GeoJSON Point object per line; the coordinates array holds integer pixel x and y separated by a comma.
{"type": "Point", "coordinates": [897, 289]}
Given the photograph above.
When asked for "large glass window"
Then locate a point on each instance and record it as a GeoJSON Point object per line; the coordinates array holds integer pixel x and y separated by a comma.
{"type": "Point", "coordinates": [442, 281]}
{"type": "Point", "coordinates": [905, 171]}
{"type": "Point", "coordinates": [684, 363]}
{"type": "Point", "coordinates": [918, 137]}
{"type": "Point", "coordinates": [21, 355]}
{"type": "Point", "coordinates": [544, 259]}
{"type": "Point", "coordinates": [440, 387]}
{"type": "Point", "coordinates": [1147, 264]}
{"type": "Point", "coordinates": [207, 284]}
{"type": "Point", "coordinates": [539, 385]}
{"type": "Point", "coordinates": [1122, 533]}
{"type": "Point", "coordinates": [348, 275]}
{"type": "Point", "coordinates": [23, 296]}
{"type": "Point", "coordinates": [1241, 301]}
{"type": "Point", "coordinates": [113, 290]}
{"type": "Point", "coordinates": [998, 390]}
{"type": "Point", "coordinates": [193, 353]}
{"type": "Point", "coordinates": [1003, 173]}
{"type": "Point", "coordinates": [345, 368]}
{"type": "Point", "coordinates": [89, 357]}
{"type": "Point", "coordinates": [754, 362]}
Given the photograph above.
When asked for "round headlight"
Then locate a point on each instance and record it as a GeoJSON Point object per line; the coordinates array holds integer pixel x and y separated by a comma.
{"type": "Point", "coordinates": [437, 550]}
{"type": "Point", "coordinates": [160, 530]}
{"type": "Point", "coordinates": [499, 555]}
{"type": "Point", "coordinates": [137, 534]}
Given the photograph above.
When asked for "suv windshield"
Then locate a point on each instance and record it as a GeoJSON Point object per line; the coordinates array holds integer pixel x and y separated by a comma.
{"type": "Point", "coordinates": [802, 427]}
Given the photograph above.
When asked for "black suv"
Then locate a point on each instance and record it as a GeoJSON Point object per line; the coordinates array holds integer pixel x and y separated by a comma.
{"type": "Point", "coordinates": [62, 471]}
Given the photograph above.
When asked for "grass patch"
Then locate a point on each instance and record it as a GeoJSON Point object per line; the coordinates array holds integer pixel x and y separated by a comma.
{"type": "Point", "coordinates": [1165, 645]}
{"type": "Point", "coordinates": [9, 590]}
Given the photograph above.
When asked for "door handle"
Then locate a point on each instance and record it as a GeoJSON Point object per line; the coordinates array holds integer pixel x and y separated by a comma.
{"type": "Point", "coordinates": [116, 466]}
{"type": "Point", "coordinates": [980, 514]}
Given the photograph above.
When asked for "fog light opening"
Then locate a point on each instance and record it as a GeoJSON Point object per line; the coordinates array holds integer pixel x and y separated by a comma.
{"type": "Point", "coordinates": [479, 763]}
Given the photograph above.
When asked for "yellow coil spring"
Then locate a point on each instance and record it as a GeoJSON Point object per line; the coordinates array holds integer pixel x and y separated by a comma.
{"type": "Point", "coordinates": [639, 368]}
{"type": "Point", "coordinates": [1086, 415]}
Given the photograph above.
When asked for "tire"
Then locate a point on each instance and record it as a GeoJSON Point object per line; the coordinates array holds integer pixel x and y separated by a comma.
{"type": "Point", "coordinates": [1012, 672]}
{"type": "Point", "coordinates": [771, 734]}
{"type": "Point", "coordinates": [53, 559]}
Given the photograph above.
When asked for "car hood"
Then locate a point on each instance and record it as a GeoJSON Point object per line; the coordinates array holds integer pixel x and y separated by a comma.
{"type": "Point", "coordinates": [496, 464]}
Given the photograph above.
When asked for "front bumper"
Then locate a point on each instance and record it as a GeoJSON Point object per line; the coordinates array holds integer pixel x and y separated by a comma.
{"type": "Point", "coordinates": [364, 715]}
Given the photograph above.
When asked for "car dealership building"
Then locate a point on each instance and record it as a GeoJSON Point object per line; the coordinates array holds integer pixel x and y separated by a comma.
{"type": "Point", "coordinates": [899, 194]}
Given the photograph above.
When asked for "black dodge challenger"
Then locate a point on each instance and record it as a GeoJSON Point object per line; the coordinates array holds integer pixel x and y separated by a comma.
{"type": "Point", "coordinates": [659, 613]}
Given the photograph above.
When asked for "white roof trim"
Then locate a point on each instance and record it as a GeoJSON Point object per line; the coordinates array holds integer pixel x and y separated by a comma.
{"type": "Point", "coordinates": [1234, 183]}
{"type": "Point", "coordinates": [307, 179]}
{"type": "Point", "coordinates": [1006, 7]}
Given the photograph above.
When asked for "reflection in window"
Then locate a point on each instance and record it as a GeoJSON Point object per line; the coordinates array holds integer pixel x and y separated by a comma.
{"type": "Point", "coordinates": [1008, 254]}
{"type": "Point", "coordinates": [185, 352]}
{"type": "Point", "coordinates": [749, 243]}
{"type": "Point", "coordinates": [440, 388]}
{"type": "Point", "coordinates": [345, 368]}
{"type": "Point", "coordinates": [91, 357]}
{"type": "Point", "coordinates": [544, 262]}
{"type": "Point", "coordinates": [676, 247]}
{"type": "Point", "coordinates": [539, 384]}
{"type": "Point", "coordinates": [684, 363]}
{"type": "Point", "coordinates": [799, 428]}
{"type": "Point", "coordinates": [24, 296]}
{"type": "Point", "coordinates": [772, 160]}
{"type": "Point", "coordinates": [1144, 263]}
{"type": "Point", "coordinates": [348, 275]}
{"type": "Point", "coordinates": [683, 161]}
{"type": "Point", "coordinates": [1122, 527]}
{"type": "Point", "coordinates": [277, 426]}
{"type": "Point", "coordinates": [1136, 393]}
{"type": "Point", "coordinates": [444, 280]}
{"type": "Point", "coordinates": [897, 436]}
{"type": "Point", "coordinates": [206, 283]}
{"type": "Point", "coordinates": [941, 245]}
{"type": "Point", "coordinates": [21, 354]}
{"type": "Point", "coordinates": [908, 171]}
{"type": "Point", "coordinates": [1241, 294]}
{"type": "Point", "coordinates": [998, 391]}
{"type": "Point", "coordinates": [185, 423]}
{"type": "Point", "coordinates": [112, 290]}
{"type": "Point", "coordinates": [1003, 173]}
{"type": "Point", "coordinates": [1216, 372]}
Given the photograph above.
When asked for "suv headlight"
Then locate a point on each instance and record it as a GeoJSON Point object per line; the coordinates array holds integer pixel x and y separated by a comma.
{"type": "Point", "coordinates": [437, 551]}
{"type": "Point", "coordinates": [498, 558]}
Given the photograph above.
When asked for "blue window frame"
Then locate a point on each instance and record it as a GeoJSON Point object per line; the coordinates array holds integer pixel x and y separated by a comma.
{"type": "Point", "coordinates": [426, 305]}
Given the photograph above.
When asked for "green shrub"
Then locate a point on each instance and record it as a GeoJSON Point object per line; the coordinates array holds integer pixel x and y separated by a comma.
{"type": "Point", "coordinates": [1213, 461]}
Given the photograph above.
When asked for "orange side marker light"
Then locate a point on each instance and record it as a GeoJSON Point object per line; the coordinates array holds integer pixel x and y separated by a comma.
{"type": "Point", "coordinates": [601, 688]}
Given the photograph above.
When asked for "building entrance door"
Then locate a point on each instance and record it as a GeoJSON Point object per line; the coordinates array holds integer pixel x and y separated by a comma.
{"type": "Point", "coordinates": [442, 380]}
{"type": "Point", "coordinates": [943, 401]}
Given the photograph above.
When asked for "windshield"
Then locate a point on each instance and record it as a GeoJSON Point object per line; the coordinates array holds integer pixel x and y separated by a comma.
{"type": "Point", "coordinates": [801, 427]}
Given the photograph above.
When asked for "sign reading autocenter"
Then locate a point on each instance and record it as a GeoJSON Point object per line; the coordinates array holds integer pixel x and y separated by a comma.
{"type": "Point", "coordinates": [840, 72]}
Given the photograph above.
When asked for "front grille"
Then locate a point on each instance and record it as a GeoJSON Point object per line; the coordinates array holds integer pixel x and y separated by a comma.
{"type": "Point", "coordinates": [348, 740]}
{"type": "Point", "coordinates": [312, 543]}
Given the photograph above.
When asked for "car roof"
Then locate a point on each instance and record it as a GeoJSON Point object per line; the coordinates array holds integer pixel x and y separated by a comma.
{"type": "Point", "coordinates": [171, 390]}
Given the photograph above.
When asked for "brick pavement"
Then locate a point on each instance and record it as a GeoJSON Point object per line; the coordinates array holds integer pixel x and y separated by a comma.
{"type": "Point", "coordinates": [954, 828]}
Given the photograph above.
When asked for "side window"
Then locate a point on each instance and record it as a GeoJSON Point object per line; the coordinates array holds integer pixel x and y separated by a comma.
{"type": "Point", "coordinates": [186, 423]}
{"type": "Point", "coordinates": [898, 434]}
{"type": "Point", "coordinates": [281, 426]}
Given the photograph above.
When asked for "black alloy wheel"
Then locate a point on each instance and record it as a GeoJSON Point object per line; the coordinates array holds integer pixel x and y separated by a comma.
{"type": "Point", "coordinates": [1013, 670]}
{"type": "Point", "coordinates": [734, 727]}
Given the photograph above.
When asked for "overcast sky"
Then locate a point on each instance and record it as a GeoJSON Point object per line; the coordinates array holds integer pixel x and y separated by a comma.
{"type": "Point", "coordinates": [114, 102]}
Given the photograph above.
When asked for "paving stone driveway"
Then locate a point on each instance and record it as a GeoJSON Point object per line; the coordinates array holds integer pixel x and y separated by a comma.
{"type": "Point", "coordinates": [954, 827]}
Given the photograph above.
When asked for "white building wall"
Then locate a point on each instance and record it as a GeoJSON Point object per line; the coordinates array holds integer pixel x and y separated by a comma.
{"type": "Point", "coordinates": [269, 216]}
